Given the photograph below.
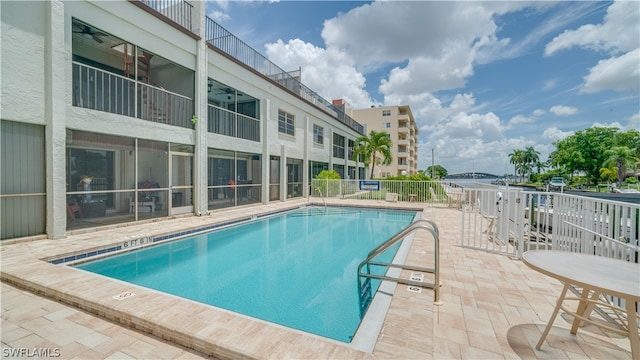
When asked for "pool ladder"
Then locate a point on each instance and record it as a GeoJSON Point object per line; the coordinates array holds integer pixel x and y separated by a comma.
{"type": "Point", "coordinates": [321, 197]}
{"type": "Point", "coordinates": [364, 287]}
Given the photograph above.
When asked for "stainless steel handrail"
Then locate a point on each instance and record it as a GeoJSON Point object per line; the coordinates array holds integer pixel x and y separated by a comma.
{"type": "Point", "coordinates": [414, 226]}
{"type": "Point", "coordinates": [321, 196]}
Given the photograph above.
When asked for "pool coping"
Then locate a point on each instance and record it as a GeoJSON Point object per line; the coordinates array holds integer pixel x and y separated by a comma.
{"type": "Point", "coordinates": [155, 312]}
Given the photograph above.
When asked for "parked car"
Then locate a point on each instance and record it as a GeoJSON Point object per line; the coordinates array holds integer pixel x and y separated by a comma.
{"type": "Point", "coordinates": [625, 191]}
{"type": "Point", "coordinates": [557, 182]}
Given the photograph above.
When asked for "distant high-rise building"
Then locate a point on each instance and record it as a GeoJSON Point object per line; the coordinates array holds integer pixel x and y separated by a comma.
{"type": "Point", "coordinates": [398, 121]}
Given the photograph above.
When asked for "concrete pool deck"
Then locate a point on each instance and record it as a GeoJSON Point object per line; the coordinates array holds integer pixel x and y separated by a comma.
{"type": "Point", "coordinates": [493, 306]}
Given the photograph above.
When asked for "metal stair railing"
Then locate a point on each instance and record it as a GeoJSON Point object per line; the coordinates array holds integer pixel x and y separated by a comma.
{"type": "Point", "coordinates": [320, 191]}
{"type": "Point", "coordinates": [364, 289]}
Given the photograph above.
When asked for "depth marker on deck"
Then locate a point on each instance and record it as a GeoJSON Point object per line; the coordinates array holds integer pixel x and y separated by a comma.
{"type": "Point", "coordinates": [124, 295]}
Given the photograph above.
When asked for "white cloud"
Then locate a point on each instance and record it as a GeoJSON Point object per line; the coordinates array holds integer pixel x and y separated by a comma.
{"type": "Point", "coordinates": [223, 4]}
{"type": "Point", "coordinates": [617, 33]}
{"type": "Point", "coordinates": [614, 124]}
{"type": "Point", "coordinates": [218, 16]}
{"type": "Point", "coordinates": [438, 53]}
{"type": "Point", "coordinates": [634, 122]}
{"type": "Point", "coordinates": [327, 72]}
{"type": "Point", "coordinates": [554, 134]}
{"type": "Point", "coordinates": [549, 84]}
{"type": "Point", "coordinates": [561, 110]}
{"type": "Point", "coordinates": [520, 119]}
{"type": "Point", "coordinates": [539, 112]}
{"type": "Point", "coordinates": [508, 48]}
{"type": "Point", "coordinates": [431, 74]}
{"type": "Point", "coordinates": [617, 73]}
{"type": "Point", "coordinates": [371, 40]}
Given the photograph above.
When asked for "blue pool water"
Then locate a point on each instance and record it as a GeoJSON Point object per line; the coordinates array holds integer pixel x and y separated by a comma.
{"type": "Point", "coordinates": [297, 269]}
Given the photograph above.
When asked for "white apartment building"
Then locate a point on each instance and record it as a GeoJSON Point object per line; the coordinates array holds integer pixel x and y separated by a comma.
{"type": "Point", "coordinates": [398, 121]}
{"type": "Point", "coordinates": [119, 111]}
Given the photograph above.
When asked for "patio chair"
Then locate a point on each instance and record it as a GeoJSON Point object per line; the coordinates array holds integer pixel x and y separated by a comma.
{"type": "Point", "coordinates": [72, 208]}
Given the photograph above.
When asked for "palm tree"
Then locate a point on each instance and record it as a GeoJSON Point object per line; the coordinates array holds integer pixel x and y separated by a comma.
{"type": "Point", "coordinates": [370, 146]}
{"type": "Point", "coordinates": [621, 157]}
{"type": "Point", "coordinates": [516, 158]}
{"type": "Point", "coordinates": [530, 157]}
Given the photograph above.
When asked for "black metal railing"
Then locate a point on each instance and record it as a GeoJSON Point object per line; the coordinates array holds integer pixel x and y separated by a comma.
{"type": "Point", "coordinates": [177, 10]}
{"type": "Point", "coordinates": [224, 40]}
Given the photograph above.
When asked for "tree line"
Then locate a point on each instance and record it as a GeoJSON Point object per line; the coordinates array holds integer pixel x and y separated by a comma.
{"type": "Point", "coordinates": [600, 153]}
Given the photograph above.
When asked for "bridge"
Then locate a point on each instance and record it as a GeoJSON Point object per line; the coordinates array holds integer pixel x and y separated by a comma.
{"type": "Point", "coordinates": [472, 175]}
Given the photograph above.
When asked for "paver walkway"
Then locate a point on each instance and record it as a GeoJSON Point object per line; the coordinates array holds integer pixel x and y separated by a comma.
{"type": "Point", "coordinates": [493, 307]}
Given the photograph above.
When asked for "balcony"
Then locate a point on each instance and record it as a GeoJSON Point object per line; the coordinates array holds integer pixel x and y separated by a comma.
{"type": "Point", "coordinates": [104, 91]}
{"type": "Point", "coordinates": [112, 75]}
{"type": "Point", "coordinates": [223, 40]}
{"type": "Point", "coordinates": [225, 122]}
{"type": "Point", "coordinates": [178, 11]}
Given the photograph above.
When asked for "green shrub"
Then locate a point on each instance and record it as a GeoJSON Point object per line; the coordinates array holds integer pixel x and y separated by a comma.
{"type": "Point", "coordinates": [329, 188]}
{"type": "Point", "coordinates": [631, 180]}
{"type": "Point", "coordinates": [328, 174]}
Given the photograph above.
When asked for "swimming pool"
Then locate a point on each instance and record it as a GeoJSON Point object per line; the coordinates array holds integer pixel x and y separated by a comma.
{"type": "Point", "coordinates": [296, 269]}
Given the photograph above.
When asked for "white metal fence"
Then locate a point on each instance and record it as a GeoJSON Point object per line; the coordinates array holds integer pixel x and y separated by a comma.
{"type": "Point", "coordinates": [433, 192]}
{"type": "Point", "coordinates": [512, 221]}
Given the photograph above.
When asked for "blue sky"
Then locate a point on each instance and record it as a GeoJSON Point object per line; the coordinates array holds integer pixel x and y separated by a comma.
{"type": "Point", "coordinates": [482, 78]}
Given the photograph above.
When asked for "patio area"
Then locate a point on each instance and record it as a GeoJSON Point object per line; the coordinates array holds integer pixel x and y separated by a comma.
{"type": "Point", "coordinates": [494, 306]}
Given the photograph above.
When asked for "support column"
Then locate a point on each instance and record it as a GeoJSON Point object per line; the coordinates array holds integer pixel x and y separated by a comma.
{"type": "Point", "coordinates": [200, 202]}
{"type": "Point", "coordinates": [305, 158]}
{"type": "Point", "coordinates": [283, 173]}
{"type": "Point", "coordinates": [55, 75]}
{"type": "Point", "coordinates": [266, 157]}
{"type": "Point", "coordinates": [331, 150]}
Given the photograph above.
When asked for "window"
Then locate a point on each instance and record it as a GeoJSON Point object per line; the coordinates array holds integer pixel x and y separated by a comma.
{"type": "Point", "coordinates": [234, 178]}
{"type": "Point", "coordinates": [286, 123]}
{"type": "Point", "coordinates": [338, 146]}
{"type": "Point", "coordinates": [386, 112]}
{"type": "Point", "coordinates": [386, 125]}
{"type": "Point", "coordinates": [316, 167]}
{"type": "Point", "coordinates": [318, 137]}
{"type": "Point", "coordinates": [352, 144]}
{"type": "Point", "coordinates": [294, 177]}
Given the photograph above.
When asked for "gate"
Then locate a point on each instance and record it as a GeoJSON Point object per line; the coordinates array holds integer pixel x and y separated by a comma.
{"type": "Point", "coordinates": [491, 220]}
{"type": "Point", "coordinates": [511, 221]}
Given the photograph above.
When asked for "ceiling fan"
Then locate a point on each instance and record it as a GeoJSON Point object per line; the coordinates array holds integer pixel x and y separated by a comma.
{"type": "Point", "coordinates": [227, 91]}
{"type": "Point", "coordinates": [89, 33]}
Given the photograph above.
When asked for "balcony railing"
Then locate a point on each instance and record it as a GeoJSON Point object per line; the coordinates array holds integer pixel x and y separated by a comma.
{"type": "Point", "coordinates": [225, 122]}
{"type": "Point", "coordinates": [177, 10]}
{"type": "Point", "coordinates": [162, 106]}
{"type": "Point", "coordinates": [99, 90]}
{"type": "Point", "coordinates": [224, 40]}
{"type": "Point", "coordinates": [104, 91]}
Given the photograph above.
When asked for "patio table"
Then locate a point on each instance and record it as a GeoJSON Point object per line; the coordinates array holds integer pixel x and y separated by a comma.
{"type": "Point", "coordinates": [596, 275]}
